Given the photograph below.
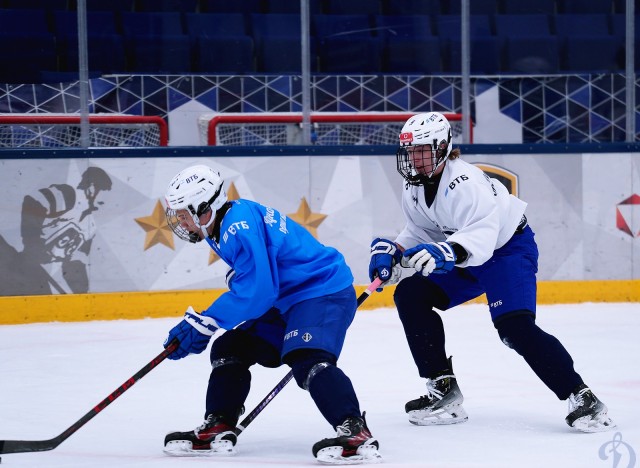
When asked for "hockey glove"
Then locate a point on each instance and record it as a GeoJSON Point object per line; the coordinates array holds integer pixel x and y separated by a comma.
{"type": "Point", "coordinates": [384, 263]}
{"type": "Point", "coordinates": [193, 333]}
{"type": "Point", "coordinates": [435, 257]}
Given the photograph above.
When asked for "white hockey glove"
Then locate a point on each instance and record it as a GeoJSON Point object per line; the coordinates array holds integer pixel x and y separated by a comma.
{"type": "Point", "coordinates": [434, 257]}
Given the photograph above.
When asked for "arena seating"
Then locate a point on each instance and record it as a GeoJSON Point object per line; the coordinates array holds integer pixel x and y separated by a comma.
{"type": "Point", "coordinates": [355, 36]}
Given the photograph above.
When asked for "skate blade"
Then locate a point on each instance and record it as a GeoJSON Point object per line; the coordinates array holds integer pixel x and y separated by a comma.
{"type": "Point", "coordinates": [366, 454]}
{"type": "Point", "coordinates": [453, 414]}
{"type": "Point", "coordinates": [184, 448]}
{"type": "Point", "coordinates": [601, 422]}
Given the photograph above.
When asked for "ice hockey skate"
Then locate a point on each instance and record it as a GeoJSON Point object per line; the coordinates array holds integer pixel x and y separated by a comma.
{"type": "Point", "coordinates": [441, 405]}
{"type": "Point", "coordinates": [213, 437]}
{"type": "Point", "coordinates": [352, 445]}
{"type": "Point", "coordinates": [586, 412]}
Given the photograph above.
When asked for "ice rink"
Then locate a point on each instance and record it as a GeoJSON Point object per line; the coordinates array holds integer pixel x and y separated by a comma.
{"type": "Point", "coordinates": [52, 374]}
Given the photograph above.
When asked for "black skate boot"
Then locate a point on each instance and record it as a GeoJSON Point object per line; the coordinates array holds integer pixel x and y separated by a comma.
{"type": "Point", "coordinates": [352, 445]}
{"type": "Point", "coordinates": [441, 405]}
{"type": "Point", "coordinates": [586, 412]}
{"type": "Point", "coordinates": [214, 436]}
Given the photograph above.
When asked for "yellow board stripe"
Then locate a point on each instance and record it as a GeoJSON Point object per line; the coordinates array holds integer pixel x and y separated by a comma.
{"type": "Point", "coordinates": [156, 304]}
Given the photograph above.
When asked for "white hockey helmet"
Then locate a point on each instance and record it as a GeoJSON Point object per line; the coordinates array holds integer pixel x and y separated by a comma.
{"type": "Point", "coordinates": [196, 189]}
{"type": "Point", "coordinates": [430, 128]}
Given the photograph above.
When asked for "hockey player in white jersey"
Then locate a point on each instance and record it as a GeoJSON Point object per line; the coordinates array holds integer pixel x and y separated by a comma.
{"type": "Point", "coordinates": [465, 235]}
{"type": "Point", "coordinates": [290, 301]}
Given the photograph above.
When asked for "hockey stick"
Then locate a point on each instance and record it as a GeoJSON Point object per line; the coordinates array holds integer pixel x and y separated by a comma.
{"type": "Point", "coordinates": [285, 380]}
{"type": "Point", "coordinates": [19, 446]}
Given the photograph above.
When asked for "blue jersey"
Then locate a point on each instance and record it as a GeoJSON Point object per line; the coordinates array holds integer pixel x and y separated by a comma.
{"type": "Point", "coordinates": [277, 263]}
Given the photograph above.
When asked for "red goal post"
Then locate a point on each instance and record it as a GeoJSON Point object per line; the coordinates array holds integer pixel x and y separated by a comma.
{"type": "Point", "coordinates": [63, 130]}
{"type": "Point", "coordinates": [328, 128]}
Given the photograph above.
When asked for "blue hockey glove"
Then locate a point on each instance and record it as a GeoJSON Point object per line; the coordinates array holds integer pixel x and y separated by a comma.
{"type": "Point", "coordinates": [435, 257]}
{"type": "Point", "coordinates": [193, 332]}
{"type": "Point", "coordinates": [385, 255]}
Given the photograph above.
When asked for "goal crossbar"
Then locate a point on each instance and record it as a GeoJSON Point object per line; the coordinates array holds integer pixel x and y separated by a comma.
{"type": "Point", "coordinates": [214, 122]}
{"type": "Point", "coordinates": [96, 122]}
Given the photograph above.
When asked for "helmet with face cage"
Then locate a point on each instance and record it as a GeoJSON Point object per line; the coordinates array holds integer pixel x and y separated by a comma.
{"type": "Point", "coordinates": [197, 189]}
{"type": "Point", "coordinates": [430, 128]}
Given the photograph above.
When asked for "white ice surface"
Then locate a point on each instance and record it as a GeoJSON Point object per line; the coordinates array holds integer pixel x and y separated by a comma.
{"type": "Point", "coordinates": [52, 374]}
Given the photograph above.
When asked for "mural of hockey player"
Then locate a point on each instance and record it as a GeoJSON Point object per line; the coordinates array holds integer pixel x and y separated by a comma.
{"type": "Point", "coordinates": [57, 230]}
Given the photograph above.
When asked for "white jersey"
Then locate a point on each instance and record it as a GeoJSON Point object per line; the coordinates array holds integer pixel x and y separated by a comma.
{"type": "Point", "coordinates": [470, 209]}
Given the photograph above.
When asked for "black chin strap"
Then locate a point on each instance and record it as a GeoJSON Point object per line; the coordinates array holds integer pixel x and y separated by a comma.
{"type": "Point", "coordinates": [215, 233]}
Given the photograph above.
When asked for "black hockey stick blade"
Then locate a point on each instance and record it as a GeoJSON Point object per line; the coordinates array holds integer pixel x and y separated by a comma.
{"type": "Point", "coordinates": [21, 446]}
{"type": "Point", "coordinates": [285, 380]}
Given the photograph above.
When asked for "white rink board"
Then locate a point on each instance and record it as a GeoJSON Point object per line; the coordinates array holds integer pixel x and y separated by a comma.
{"type": "Point", "coordinates": [572, 200]}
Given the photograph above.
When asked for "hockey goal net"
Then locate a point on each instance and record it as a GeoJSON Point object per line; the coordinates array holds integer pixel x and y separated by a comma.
{"type": "Point", "coordinates": [339, 128]}
{"type": "Point", "coordinates": [63, 130]}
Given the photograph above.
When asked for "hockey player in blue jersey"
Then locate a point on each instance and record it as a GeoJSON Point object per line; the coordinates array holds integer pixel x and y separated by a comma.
{"type": "Point", "coordinates": [465, 235]}
{"type": "Point", "coordinates": [290, 301]}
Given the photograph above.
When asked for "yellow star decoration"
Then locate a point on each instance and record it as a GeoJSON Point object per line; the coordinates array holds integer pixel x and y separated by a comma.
{"type": "Point", "coordinates": [157, 229]}
{"type": "Point", "coordinates": [306, 218]}
{"type": "Point", "coordinates": [232, 194]}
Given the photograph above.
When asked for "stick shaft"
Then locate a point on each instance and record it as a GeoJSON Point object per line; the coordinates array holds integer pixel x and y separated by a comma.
{"type": "Point", "coordinates": [19, 446]}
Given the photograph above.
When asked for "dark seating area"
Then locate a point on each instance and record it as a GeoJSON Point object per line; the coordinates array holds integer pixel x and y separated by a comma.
{"type": "Point", "coordinates": [38, 38]}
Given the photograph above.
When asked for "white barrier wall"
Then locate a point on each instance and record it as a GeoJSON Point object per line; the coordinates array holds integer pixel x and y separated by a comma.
{"type": "Point", "coordinates": [584, 209]}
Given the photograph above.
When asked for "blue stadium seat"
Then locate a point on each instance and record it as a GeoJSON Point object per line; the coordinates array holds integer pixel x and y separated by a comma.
{"type": "Point", "coordinates": [225, 55]}
{"type": "Point", "coordinates": [403, 55]}
{"type": "Point", "coordinates": [288, 6]}
{"type": "Point", "coordinates": [23, 22]}
{"type": "Point", "coordinates": [348, 26]}
{"type": "Point", "coordinates": [519, 7]}
{"type": "Point", "coordinates": [215, 24]}
{"type": "Point", "coordinates": [344, 54]}
{"type": "Point", "coordinates": [411, 7]}
{"type": "Point", "coordinates": [450, 26]}
{"type": "Point", "coordinates": [522, 25]}
{"type": "Point", "coordinates": [353, 7]}
{"type": "Point", "coordinates": [476, 7]}
{"type": "Point", "coordinates": [184, 6]}
{"type": "Point", "coordinates": [106, 53]}
{"type": "Point", "coordinates": [280, 55]}
{"type": "Point", "coordinates": [118, 6]}
{"type": "Point", "coordinates": [531, 55]}
{"type": "Point", "coordinates": [585, 6]}
{"type": "Point", "coordinates": [485, 55]}
{"type": "Point", "coordinates": [36, 4]}
{"type": "Point", "coordinates": [51, 76]}
{"type": "Point", "coordinates": [275, 25]}
{"type": "Point", "coordinates": [591, 54]}
{"type": "Point", "coordinates": [581, 24]}
{"type": "Point", "coordinates": [618, 24]}
{"type": "Point", "coordinates": [620, 6]}
{"type": "Point", "coordinates": [151, 23]}
{"type": "Point", "coordinates": [159, 54]}
{"type": "Point", "coordinates": [234, 6]}
{"type": "Point", "coordinates": [25, 55]}
{"type": "Point", "coordinates": [99, 23]}
{"type": "Point", "coordinates": [403, 26]}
